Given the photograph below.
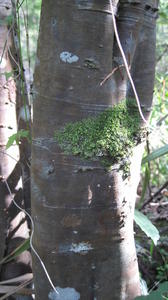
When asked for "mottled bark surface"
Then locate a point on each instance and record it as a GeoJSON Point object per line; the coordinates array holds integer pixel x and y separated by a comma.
{"type": "Point", "coordinates": [83, 214]}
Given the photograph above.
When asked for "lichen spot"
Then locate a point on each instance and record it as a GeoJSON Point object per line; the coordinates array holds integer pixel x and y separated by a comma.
{"type": "Point", "coordinates": [84, 4]}
{"type": "Point", "coordinates": [64, 294]}
{"type": "Point", "coordinates": [80, 248]}
{"type": "Point", "coordinates": [68, 57]}
{"type": "Point", "coordinates": [83, 247]}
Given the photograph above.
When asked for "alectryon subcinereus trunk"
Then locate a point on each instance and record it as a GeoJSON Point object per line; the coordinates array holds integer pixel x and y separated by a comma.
{"type": "Point", "coordinates": [83, 213]}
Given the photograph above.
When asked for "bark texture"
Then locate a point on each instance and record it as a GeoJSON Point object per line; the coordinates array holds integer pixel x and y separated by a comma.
{"type": "Point", "coordinates": [83, 214]}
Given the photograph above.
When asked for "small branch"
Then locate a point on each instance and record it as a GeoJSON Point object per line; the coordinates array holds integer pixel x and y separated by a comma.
{"type": "Point", "coordinates": [110, 74]}
{"type": "Point", "coordinates": [161, 120]}
{"type": "Point", "coordinates": [149, 166]}
{"type": "Point", "coordinates": [163, 53]}
{"type": "Point", "coordinates": [16, 289]}
{"type": "Point", "coordinates": [156, 194]}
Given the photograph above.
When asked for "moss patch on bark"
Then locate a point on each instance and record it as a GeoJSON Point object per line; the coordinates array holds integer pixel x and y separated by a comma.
{"type": "Point", "coordinates": [108, 137]}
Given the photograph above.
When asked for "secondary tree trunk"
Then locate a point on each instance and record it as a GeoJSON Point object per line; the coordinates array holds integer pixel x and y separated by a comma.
{"type": "Point", "coordinates": [83, 213]}
{"type": "Point", "coordinates": [13, 225]}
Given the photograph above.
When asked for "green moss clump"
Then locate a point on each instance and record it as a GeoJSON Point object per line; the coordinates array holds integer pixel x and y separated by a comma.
{"type": "Point", "coordinates": [109, 137]}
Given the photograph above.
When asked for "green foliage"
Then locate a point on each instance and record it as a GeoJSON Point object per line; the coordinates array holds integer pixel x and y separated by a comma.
{"type": "Point", "coordinates": [147, 227]}
{"type": "Point", "coordinates": [20, 249]}
{"type": "Point", "coordinates": [155, 154]}
{"type": "Point", "coordinates": [163, 12]}
{"type": "Point", "coordinates": [162, 272]}
{"type": "Point", "coordinates": [158, 157]}
{"type": "Point", "coordinates": [15, 138]}
{"type": "Point", "coordinates": [162, 269]}
{"type": "Point", "coordinates": [159, 294]}
{"type": "Point", "coordinates": [109, 137]}
{"type": "Point", "coordinates": [152, 246]}
{"type": "Point", "coordinates": [7, 75]}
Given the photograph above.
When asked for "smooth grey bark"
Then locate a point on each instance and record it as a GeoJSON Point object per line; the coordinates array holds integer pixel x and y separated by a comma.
{"type": "Point", "coordinates": [83, 214]}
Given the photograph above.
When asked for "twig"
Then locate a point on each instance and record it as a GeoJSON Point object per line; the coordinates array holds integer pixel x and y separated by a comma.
{"type": "Point", "coordinates": [16, 289]}
{"type": "Point", "coordinates": [161, 120]}
{"type": "Point", "coordinates": [156, 194]}
{"type": "Point", "coordinates": [11, 288]}
{"type": "Point", "coordinates": [163, 53]}
{"type": "Point", "coordinates": [21, 278]}
{"type": "Point", "coordinates": [149, 165]}
{"type": "Point", "coordinates": [110, 74]}
{"type": "Point", "coordinates": [20, 4]}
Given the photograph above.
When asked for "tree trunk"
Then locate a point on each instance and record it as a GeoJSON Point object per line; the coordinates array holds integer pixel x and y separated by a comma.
{"type": "Point", "coordinates": [83, 213]}
{"type": "Point", "coordinates": [13, 224]}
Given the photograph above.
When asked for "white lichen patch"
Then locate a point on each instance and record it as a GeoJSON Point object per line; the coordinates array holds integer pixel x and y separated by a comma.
{"type": "Point", "coordinates": [80, 248]}
{"type": "Point", "coordinates": [64, 294]}
{"type": "Point", "coordinates": [68, 57]}
{"type": "Point", "coordinates": [84, 4]}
